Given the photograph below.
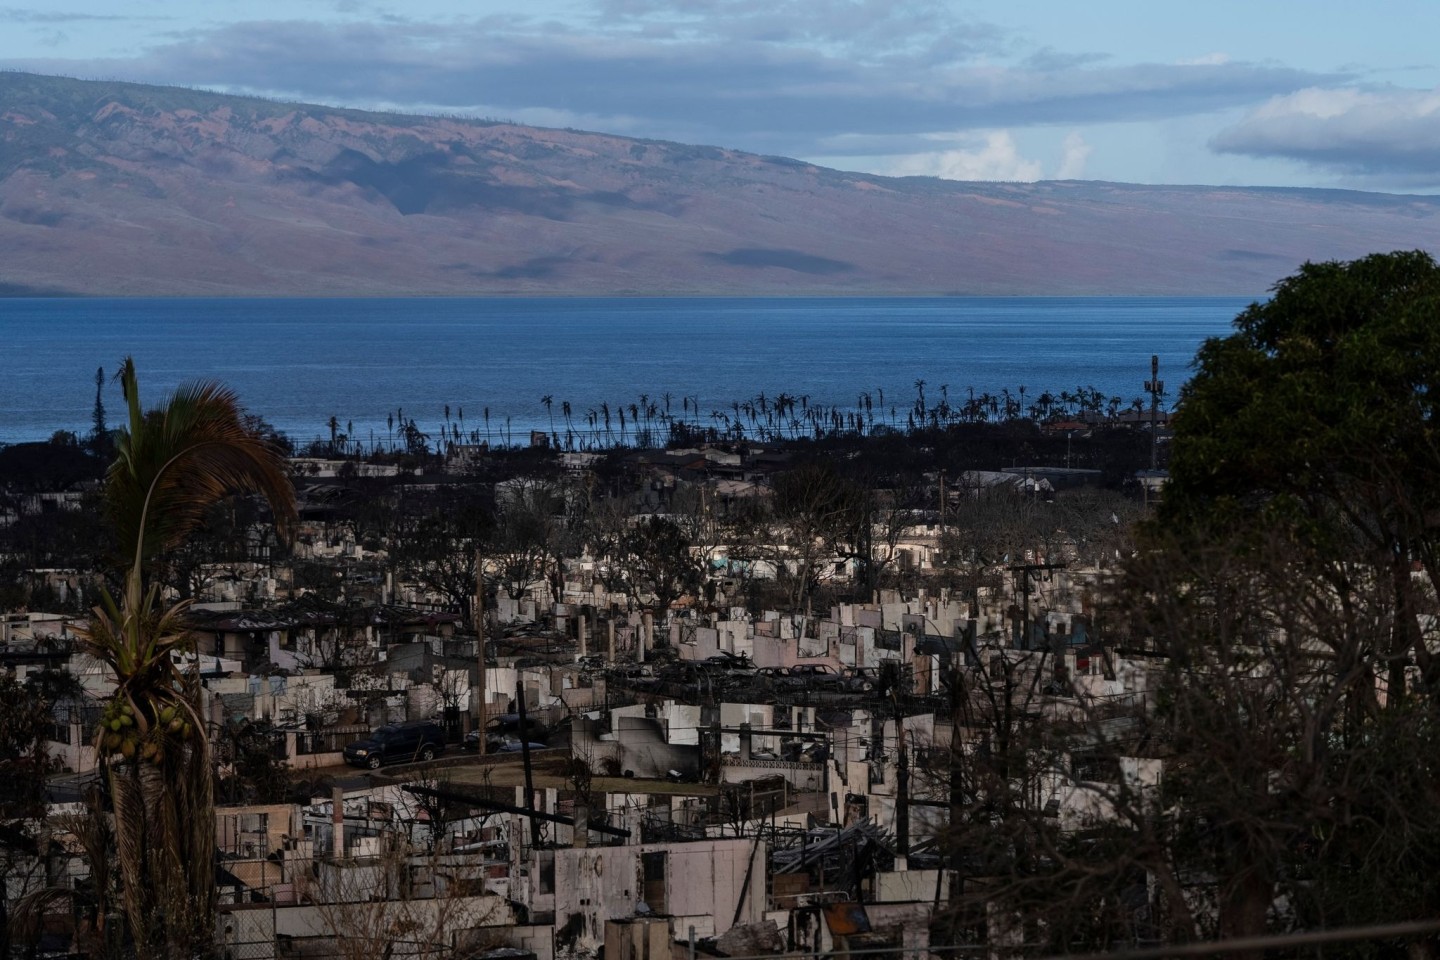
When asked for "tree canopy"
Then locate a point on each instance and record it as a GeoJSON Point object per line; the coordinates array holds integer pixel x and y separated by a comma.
{"type": "Point", "coordinates": [1318, 416]}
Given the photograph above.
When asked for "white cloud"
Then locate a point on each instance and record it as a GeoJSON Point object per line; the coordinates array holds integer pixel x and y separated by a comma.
{"type": "Point", "coordinates": [1074, 152]}
{"type": "Point", "coordinates": [1209, 60]}
{"type": "Point", "coordinates": [992, 155]}
{"type": "Point", "coordinates": [1316, 103]}
{"type": "Point", "coordinates": [1350, 131]}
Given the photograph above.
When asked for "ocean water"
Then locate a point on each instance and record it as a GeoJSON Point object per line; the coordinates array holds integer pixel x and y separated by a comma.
{"type": "Point", "coordinates": [298, 362]}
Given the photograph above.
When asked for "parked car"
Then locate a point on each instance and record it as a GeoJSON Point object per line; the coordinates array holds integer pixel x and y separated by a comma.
{"type": "Point", "coordinates": [886, 677]}
{"type": "Point", "coordinates": [863, 679]}
{"type": "Point", "coordinates": [507, 725]}
{"type": "Point", "coordinates": [735, 663]}
{"type": "Point", "coordinates": [397, 743]}
{"type": "Point", "coordinates": [821, 676]}
{"type": "Point", "coordinates": [778, 679]}
{"type": "Point", "coordinates": [634, 671]}
{"type": "Point", "coordinates": [817, 676]}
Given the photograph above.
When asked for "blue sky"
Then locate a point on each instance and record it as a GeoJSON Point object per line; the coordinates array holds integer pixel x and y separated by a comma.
{"type": "Point", "coordinates": [1264, 92]}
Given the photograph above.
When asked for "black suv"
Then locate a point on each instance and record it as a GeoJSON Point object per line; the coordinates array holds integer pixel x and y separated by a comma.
{"type": "Point", "coordinates": [397, 743]}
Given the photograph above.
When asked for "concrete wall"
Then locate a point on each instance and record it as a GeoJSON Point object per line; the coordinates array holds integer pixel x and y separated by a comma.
{"type": "Point", "coordinates": [702, 880]}
{"type": "Point", "coordinates": [911, 886]}
{"type": "Point", "coordinates": [251, 930]}
{"type": "Point", "coordinates": [650, 746]}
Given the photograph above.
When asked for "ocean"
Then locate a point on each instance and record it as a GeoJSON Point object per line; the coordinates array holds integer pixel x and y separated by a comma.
{"type": "Point", "coordinates": [299, 362]}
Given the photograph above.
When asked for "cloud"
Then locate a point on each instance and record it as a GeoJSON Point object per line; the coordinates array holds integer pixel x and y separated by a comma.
{"type": "Point", "coordinates": [1209, 60]}
{"type": "Point", "coordinates": [26, 15]}
{"type": "Point", "coordinates": [860, 29]}
{"type": "Point", "coordinates": [1074, 152]}
{"type": "Point", "coordinates": [1382, 135]}
{"type": "Point", "coordinates": [989, 156]}
{"type": "Point", "coordinates": [772, 76]}
{"type": "Point", "coordinates": [1050, 59]}
{"type": "Point", "coordinates": [981, 155]}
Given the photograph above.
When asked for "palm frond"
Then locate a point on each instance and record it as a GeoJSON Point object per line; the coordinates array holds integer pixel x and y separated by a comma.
{"type": "Point", "coordinates": [91, 830]}
{"type": "Point", "coordinates": [28, 913]}
{"type": "Point", "coordinates": [177, 461]}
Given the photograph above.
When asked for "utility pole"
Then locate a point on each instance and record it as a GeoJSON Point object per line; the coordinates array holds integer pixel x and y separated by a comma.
{"type": "Point", "coordinates": [1026, 570]}
{"type": "Point", "coordinates": [525, 757]}
{"type": "Point", "coordinates": [1155, 387]}
{"type": "Point", "coordinates": [480, 646]}
{"type": "Point", "coordinates": [942, 503]}
{"type": "Point", "coordinates": [902, 783]}
{"type": "Point", "coordinates": [958, 714]}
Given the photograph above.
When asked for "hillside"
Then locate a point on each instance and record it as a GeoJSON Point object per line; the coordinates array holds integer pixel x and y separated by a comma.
{"type": "Point", "coordinates": [123, 189]}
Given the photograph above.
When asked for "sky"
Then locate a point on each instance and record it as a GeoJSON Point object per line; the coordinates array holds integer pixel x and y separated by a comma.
{"type": "Point", "coordinates": [1298, 93]}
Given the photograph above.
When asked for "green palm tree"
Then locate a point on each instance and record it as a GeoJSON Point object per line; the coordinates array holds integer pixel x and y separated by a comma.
{"type": "Point", "coordinates": [172, 464]}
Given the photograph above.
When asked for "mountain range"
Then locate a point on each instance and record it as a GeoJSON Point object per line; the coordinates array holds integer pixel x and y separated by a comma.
{"type": "Point", "coordinates": [124, 189]}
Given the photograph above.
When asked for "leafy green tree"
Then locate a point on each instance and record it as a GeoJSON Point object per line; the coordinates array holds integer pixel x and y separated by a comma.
{"type": "Point", "coordinates": [1300, 531]}
{"type": "Point", "coordinates": [99, 433]}
{"type": "Point", "coordinates": [1318, 415]}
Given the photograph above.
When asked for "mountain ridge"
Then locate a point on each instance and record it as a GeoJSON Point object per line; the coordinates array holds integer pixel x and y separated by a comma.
{"type": "Point", "coordinates": [111, 188]}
